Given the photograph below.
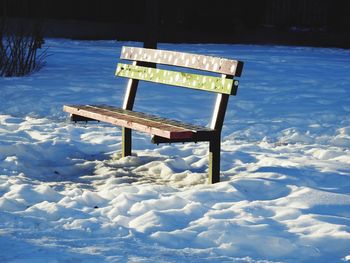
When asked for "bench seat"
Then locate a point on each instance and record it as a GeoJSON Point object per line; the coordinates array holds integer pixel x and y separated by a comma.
{"type": "Point", "coordinates": [159, 127]}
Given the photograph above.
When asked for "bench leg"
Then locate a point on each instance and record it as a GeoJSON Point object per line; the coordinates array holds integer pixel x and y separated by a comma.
{"type": "Point", "coordinates": [126, 142]}
{"type": "Point", "coordinates": [214, 160]}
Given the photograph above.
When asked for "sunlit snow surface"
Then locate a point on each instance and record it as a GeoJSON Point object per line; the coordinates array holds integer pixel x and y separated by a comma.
{"type": "Point", "coordinates": [67, 196]}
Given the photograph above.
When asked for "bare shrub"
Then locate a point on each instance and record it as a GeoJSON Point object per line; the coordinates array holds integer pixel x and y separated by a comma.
{"type": "Point", "coordinates": [20, 44]}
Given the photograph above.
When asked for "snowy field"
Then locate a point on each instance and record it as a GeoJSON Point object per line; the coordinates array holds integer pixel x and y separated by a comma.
{"type": "Point", "coordinates": [67, 196]}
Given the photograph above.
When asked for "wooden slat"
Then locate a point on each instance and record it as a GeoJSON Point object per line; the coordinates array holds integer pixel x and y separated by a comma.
{"type": "Point", "coordinates": [141, 115]}
{"type": "Point", "coordinates": [135, 120]}
{"type": "Point", "coordinates": [187, 80]}
{"type": "Point", "coordinates": [130, 116]}
{"type": "Point", "coordinates": [188, 60]}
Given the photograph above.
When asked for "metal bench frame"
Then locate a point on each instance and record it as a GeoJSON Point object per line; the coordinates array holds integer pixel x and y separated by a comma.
{"type": "Point", "coordinates": [165, 130]}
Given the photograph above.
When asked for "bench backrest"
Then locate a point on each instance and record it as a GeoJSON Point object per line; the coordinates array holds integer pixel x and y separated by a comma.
{"type": "Point", "coordinates": [144, 68]}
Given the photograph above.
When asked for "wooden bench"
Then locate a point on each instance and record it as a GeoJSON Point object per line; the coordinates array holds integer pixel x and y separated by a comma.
{"type": "Point", "coordinates": [164, 130]}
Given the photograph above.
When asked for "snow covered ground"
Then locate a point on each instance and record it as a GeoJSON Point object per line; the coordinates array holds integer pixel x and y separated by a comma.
{"type": "Point", "coordinates": [67, 196]}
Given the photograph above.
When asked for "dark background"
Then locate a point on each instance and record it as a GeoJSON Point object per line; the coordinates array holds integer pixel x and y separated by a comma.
{"type": "Point", "coordinates": [291, 22]}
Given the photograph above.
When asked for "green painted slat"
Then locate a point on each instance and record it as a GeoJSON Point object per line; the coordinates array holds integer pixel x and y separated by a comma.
{"type": "Point", "coordinates": [188, 80]}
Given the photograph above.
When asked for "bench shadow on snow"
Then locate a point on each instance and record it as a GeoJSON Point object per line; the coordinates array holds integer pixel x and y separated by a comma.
{"type": "Point", "coordinates": [127, 170]}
